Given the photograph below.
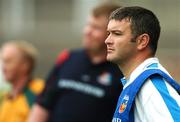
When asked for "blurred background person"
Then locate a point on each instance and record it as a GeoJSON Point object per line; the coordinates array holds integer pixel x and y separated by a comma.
{"type": "Point", "coordinates": [18, 63]}
{"type": "Point", "coordinates": [83, 86]}
{"type": "Point", "coordinates": [48, 23]}
{"type": "Point", "coordinates": [1, 73]}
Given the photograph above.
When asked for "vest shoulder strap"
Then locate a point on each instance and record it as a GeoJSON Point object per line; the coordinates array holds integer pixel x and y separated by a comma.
{"type": "Point", "coordinates": [140, 80]}
{"type": "Point", "coordinates": [138, 83]}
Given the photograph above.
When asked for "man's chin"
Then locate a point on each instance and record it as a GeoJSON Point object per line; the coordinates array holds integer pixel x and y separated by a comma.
{"type": "Point", "coordinates": [93, 50]}
{"type": "Point", "coordinates": [110, 58]}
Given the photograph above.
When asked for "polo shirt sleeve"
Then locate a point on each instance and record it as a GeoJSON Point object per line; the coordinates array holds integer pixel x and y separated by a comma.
{"type": "Point", "coordinates": [162, 101]}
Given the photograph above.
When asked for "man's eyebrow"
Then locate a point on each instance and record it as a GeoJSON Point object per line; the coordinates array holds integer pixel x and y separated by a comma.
{"type": "Point", "coordinates": [114, 30]}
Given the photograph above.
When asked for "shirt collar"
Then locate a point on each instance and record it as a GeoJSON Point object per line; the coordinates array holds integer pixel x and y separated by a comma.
{"type": "Point", "coordinates": [123, 81]}
{"type": "Point", "coordinates": [143, 66]}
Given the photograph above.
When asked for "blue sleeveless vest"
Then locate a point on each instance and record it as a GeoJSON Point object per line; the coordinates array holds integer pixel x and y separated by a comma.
{"type": "Point", "coordinates": [124, 111]}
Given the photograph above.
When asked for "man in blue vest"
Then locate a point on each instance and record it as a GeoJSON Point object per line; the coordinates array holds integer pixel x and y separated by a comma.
{"type": "Point", "coordinates": [149, 92]}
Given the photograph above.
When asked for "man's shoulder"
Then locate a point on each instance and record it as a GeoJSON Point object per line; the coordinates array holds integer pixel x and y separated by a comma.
{"type": "Point", "coordinates": [157, 95]}
{"type": "Point", "coordinates": [148, 90]}
{"type": "Point", "coordinates": [66, 55]}
{"type": "Point", "coordinates": [155, 88]}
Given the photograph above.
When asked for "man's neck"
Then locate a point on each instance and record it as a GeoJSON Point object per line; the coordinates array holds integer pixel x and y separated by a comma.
{"type": "Point", "coordinates": [18, 85]}
{"type": "Point", "coordinates": [97, 57]}
{"type": "Point", "coordinates": [130, 65]}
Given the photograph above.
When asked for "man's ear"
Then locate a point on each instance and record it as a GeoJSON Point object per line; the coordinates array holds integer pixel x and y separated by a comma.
{"type": "Point", "coordinates": [142, 41]}
{"type": "Point", "coordinates": [25, 67]}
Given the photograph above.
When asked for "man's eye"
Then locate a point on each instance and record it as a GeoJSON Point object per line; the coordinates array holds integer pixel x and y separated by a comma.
{"type": "Point", "coordinates": [108, 33]}
{"type": "Point", "coordinates": [118, 34]}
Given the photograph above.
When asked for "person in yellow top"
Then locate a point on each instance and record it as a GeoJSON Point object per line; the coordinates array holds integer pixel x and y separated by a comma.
{"type": "Point", "coordinates": [18, 62]}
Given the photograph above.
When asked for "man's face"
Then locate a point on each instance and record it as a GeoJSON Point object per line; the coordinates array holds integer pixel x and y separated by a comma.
{"type": "Point", "coordinates": [119, 42]}
{"type": "Point", "coordinates": [95, 33]}
{"type": "Point", "coordinates": [12, 61]}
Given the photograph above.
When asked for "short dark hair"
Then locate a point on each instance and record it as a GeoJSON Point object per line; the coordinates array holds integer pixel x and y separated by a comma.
{"type": "Point", "coordinates": [104, 9]}
{"type": "Point", "coordinates": [142, 21]}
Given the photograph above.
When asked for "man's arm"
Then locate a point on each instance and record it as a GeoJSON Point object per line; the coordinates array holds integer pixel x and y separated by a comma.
{"type": "Point", "coordinates": [46, 100]}
{"type": "Point", "coordinates": [38, 114]}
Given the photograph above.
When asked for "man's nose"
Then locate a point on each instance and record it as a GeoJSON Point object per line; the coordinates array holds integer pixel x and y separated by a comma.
{"type": "Point", "coordinates": [108, 40]}
{"type": "Point", "coordinates": [88, 30]}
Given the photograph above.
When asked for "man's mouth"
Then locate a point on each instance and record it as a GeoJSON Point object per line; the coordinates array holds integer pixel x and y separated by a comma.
{"type": "Point", "coordinates": [110, 50]}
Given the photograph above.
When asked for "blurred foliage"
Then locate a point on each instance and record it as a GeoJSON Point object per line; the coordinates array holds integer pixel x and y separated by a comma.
{"type": "Point", "coordinates": [5, 88]}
